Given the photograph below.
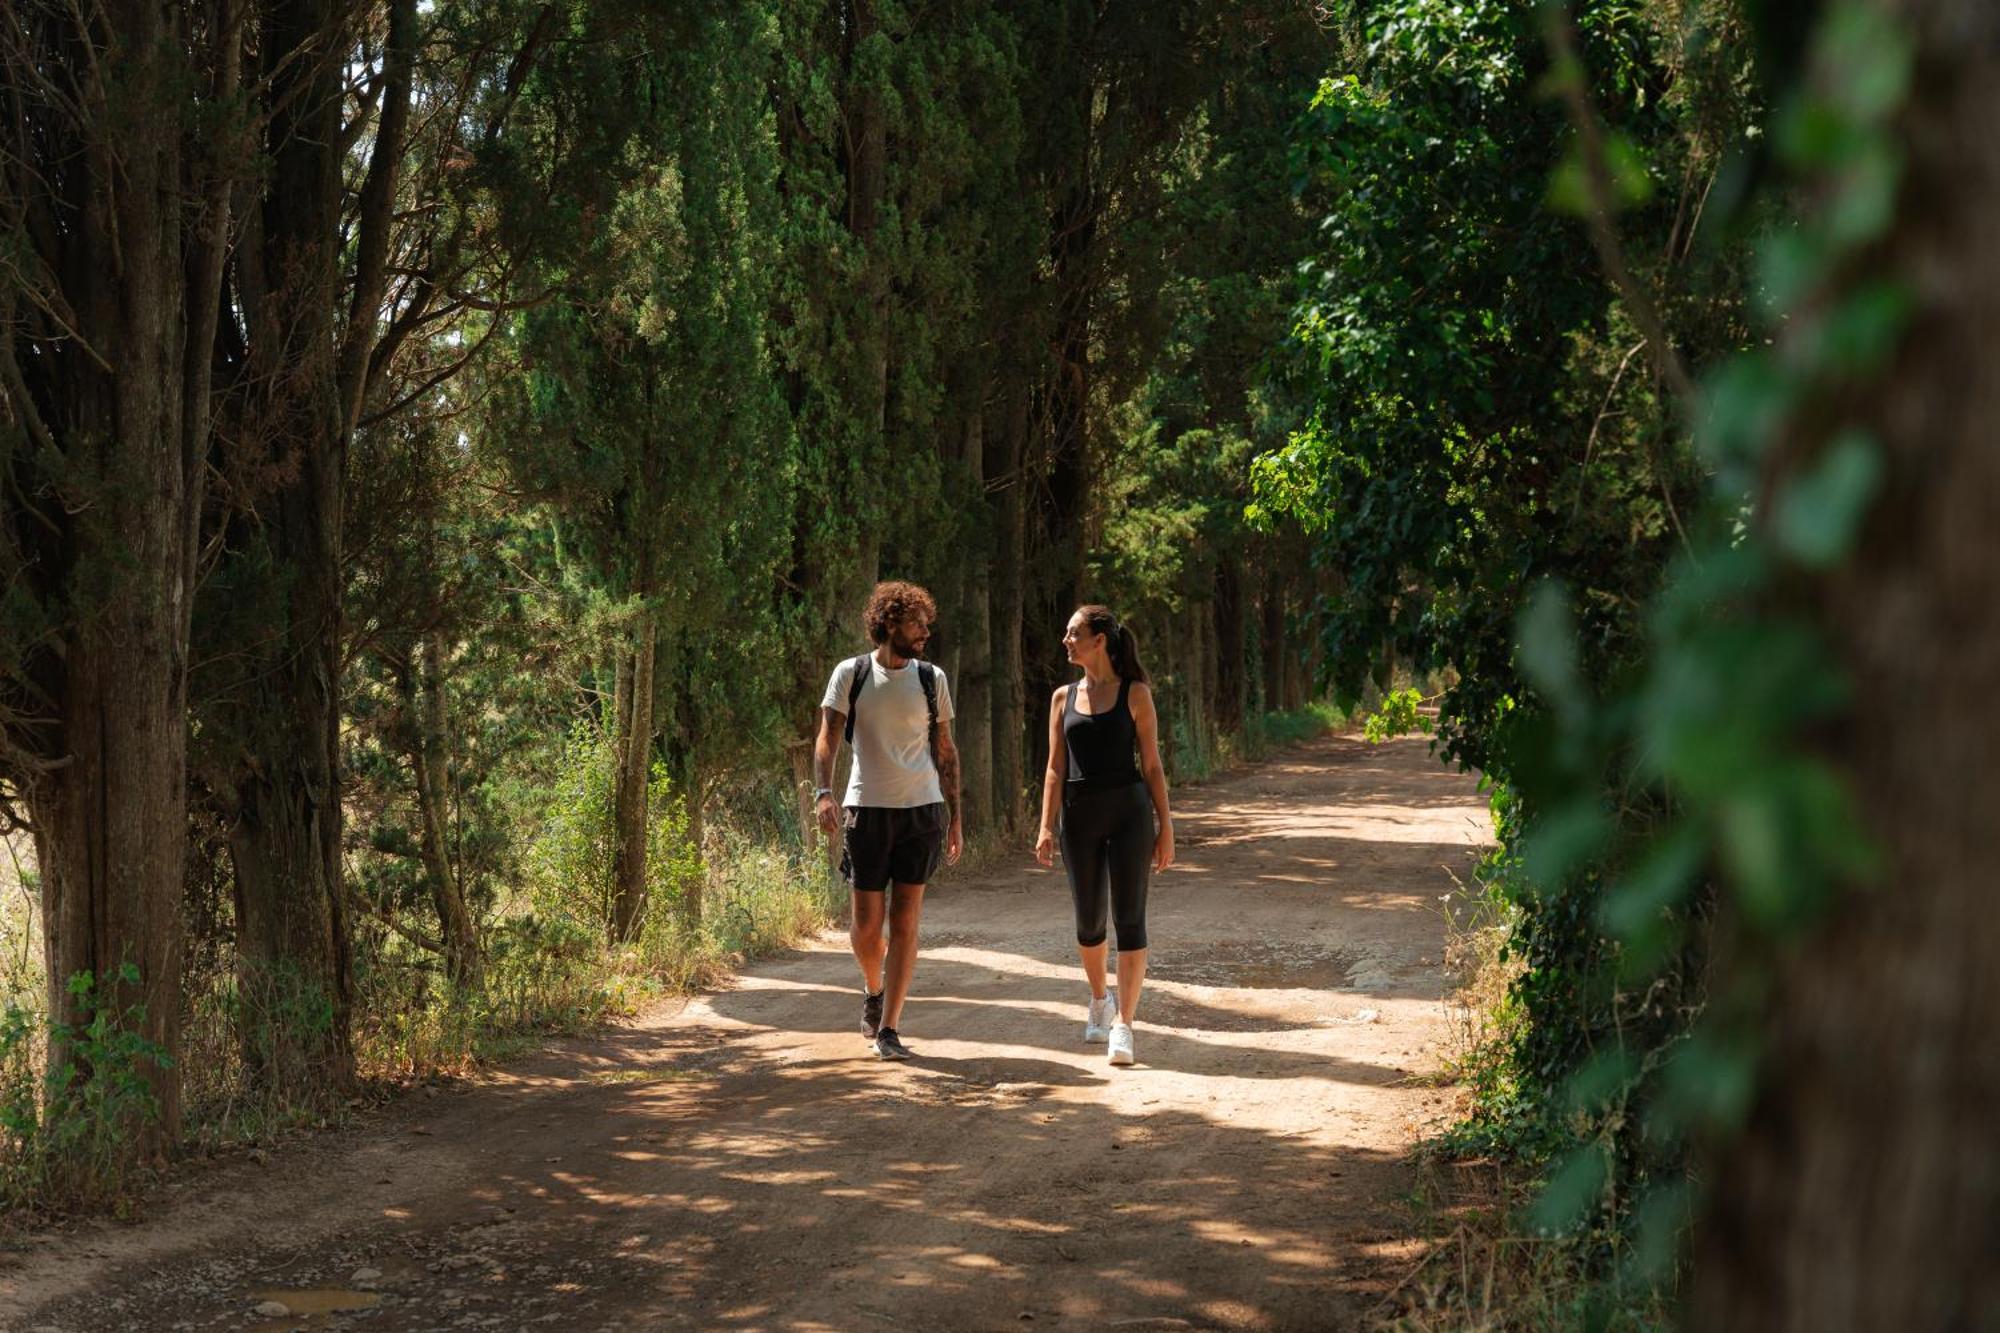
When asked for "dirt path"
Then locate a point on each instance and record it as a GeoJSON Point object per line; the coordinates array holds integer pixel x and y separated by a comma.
{"type": "Point", "coordinates": [743, 1162]}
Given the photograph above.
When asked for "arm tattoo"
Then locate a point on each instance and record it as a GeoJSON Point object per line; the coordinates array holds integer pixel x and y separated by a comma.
{"type": "Point", "coordinates": [947, 767]}
{"type": "Point", "coordinates": [823, 752]}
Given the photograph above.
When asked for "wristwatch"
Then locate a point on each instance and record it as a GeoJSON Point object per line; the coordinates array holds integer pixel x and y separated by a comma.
{"type": "Point", "coordinates": [822, 791]}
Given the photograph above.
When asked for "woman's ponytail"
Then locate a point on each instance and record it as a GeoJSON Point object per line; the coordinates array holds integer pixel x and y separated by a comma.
{"type": "Point", "coordinates": [1125, 655]}
{"type": "Point", "coordinates": [1120, 643]}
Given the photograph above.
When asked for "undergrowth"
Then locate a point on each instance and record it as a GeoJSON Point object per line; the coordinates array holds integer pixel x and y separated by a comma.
{"type": "Point", "coordinates": [547, 971]}
{"type": "Point", "coordinates": [1492, 1263]}
{"type": "Point", "coordinates": [1193, 759]}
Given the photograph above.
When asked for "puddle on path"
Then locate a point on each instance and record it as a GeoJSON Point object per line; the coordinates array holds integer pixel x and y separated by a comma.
{"type": "Point", "coordinates": [307, 1307]}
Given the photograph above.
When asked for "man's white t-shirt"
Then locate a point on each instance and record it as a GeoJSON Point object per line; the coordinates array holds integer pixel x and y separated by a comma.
{"type": "Point", "coordinates": [892, 743]}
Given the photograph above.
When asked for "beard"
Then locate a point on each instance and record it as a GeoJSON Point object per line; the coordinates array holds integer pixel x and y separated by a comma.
{"type": "Point", "coordinates": [903, 647]}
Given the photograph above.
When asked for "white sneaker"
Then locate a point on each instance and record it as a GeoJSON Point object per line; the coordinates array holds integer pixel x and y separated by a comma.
{"type": "Point", "coordinates": [1120, 1051]}
{"type": "Point", "coordinates": [1097, 1020]}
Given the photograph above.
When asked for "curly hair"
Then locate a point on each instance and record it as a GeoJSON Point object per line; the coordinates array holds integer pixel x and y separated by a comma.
{"type": "Point", "coordinates": [892, 603]}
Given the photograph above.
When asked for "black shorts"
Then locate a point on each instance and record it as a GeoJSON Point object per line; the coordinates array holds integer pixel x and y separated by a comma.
{"type": "Point", "coordinates": [884, 843]}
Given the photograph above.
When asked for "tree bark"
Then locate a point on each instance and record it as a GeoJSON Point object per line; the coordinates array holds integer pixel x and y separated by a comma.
{"type": "Point", "coordinates": [111, 828]}
{"type": "Point", "coordinates": [1194, 702]}
{"type": "Point", "coordinates": [311, 375]}
{"type": "Point", "coordinates": [1864, 1192]}
{"type": "Point", "coordinates": [119, 226]}
{"type": "Point", "coordinates": [634, 749]}
{"type": "Point", "coordinates": [431, 759]}
{"type": "Point", "coordinates": [972, 685]}
{"type": "Point", "coordinates": [1062, 537]}
{"type": "Point", "coordinates": [1008, 589]}
{"type": "Point", "coordinates": [1276, 650]}
{"type": "Point", "coordinates": [1231, 669]}
{"type": "Point", "coordinates": [284, 837]}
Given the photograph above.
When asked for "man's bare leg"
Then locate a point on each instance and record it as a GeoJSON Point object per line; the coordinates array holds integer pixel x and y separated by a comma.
{"type": "Point", "coordinates": [906, 909]}
{"type": "Point", "coordinates": [865, 935]}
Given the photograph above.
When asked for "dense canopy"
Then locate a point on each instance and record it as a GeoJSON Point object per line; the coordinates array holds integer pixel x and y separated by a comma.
{"type": "Point", "coordinates": [445, 445]}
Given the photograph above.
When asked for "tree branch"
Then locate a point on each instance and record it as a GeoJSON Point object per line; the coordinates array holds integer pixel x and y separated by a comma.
{"type": "Point", "coordinates": [377, 211]}
{"type": "Point", "coordinates": [1570, 77]}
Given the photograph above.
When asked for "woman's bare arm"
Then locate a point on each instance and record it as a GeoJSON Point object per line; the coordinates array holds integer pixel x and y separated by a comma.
{"type": "Point", "coordinates": [1146, 721]}
{"type": "Point", "coordinates": [1052, 780]}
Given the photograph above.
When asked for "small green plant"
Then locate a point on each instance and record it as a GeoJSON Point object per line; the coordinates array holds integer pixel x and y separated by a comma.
{"type": "Point", "coordinates": [66, 1134]}
{"type": "Point", "coordinates": [570, 857]}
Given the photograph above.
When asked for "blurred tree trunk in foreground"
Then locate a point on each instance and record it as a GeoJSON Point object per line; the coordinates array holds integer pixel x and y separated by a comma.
{"type": "Point", "coordinates": [1865, 1190]}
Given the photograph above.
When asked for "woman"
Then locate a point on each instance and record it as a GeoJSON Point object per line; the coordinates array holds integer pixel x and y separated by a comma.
{"type": "Point", "coordinates": [1104, 763]}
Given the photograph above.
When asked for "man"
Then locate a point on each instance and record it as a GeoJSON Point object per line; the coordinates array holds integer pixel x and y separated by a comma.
{"type": "Point", "coordinates": [901, 815]}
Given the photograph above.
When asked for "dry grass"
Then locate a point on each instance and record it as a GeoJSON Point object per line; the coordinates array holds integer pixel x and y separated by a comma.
{"type": "Point", "coordinates": [1483, 1016]}
{"type": "Point", "coordinates": [1486, 1272]}
{"type": "Point", "coordinates": [1485, 1269]}
{"type": "Point", "coordinates": [409, 1025]}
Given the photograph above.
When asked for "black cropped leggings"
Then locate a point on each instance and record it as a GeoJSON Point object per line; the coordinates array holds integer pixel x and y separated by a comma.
{"type": "Point", "coordinates": [1107, 847]}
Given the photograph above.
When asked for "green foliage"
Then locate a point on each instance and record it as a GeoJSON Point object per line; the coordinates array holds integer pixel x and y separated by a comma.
{"type": "Point", "coordinates": [65, 1124]}
{"type": "Point", "coordinates": [1475, 420]}
{"type": "Point", "coordinates": [1266, 732]}
{"type": "Point", "coordinates": [546, 974]}
{"type": "Point", "coordinates": [700, 317]}
{"type": "Point", "coordinates": [568, 861]}
{"type": "Point", "coordinates": [1396, 715]}
{"type": "Point", "coordinates": [1174, 548]}
{"type": "Point", "coordinates": [548, 967]}
{"type": "Point", "coordinates": [1716, 721]}
{"type": "Point", "coordinates": [1503, 495]}
{"type": "Point", "coordinates": [1503, 489]}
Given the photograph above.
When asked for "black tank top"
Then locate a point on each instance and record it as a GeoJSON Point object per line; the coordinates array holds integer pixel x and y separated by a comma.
{"type": "Point", "coordinates": [1102, 746]}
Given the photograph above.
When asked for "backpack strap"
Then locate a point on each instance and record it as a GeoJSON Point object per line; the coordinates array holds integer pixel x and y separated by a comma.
{"type": "Point", "coordinates": [854, 690]}
{"type": "Point", "coordinates": [927, 677]}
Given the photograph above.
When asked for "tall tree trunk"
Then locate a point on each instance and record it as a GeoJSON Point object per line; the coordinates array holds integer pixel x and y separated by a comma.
{"type": "Point", "coordinates": [111, 824]}
{"type": "Point", "coordinates": [1231, 667]}
{"type": "Point", "coordinates": [1294, 672]}
{"type": "Point", "coordinates": [431, 759]}
{"type": "Point", "coordinates": [310, 376]}
{"type": "Point", "coordinates": [123, 229]}
{"type": "Point", "coordinates": [291, 936]}
{"type": "Point", "coordinates": [109, 828]}
{"type": "Point", "coordinates": [1062, 535]}
{"type": "Point", "coordinates": [1277, 651]}
{"type": "Point", "coordinates": [972, 685]}
{"type": "Point", "coordinates": [691, 764]}
{"type": "Point", "coordinates": [1864, 1192]}
{"type": "Point", "coordinates": [694, 896]}
{"type": "Point", "coordinates": [1005, 450]}
{"type": "Point", "coordinates": [1199, 701]}
{"type": "Point", "coordinates": [799, 752]}
{"type": "Point", "coordinates": [634, 749]}
{"type": "Point", "coordinates": [285, 835]}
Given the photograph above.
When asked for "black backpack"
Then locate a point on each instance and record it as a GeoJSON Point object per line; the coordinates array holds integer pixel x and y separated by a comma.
{"type": "Point", "coordinates": [926, 676]}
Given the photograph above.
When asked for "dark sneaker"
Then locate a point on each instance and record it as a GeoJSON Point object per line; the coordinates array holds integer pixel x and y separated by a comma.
{"type": "Point", "coordinates": [871, 1015]}
{"type": "Point", "coordinates": [890, 1046]}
